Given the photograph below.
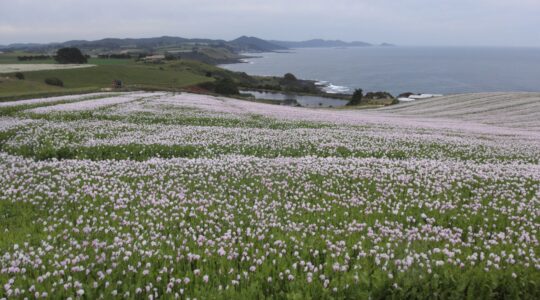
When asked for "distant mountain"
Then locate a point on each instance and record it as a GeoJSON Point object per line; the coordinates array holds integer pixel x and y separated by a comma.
{"type": "Point", "coordinates": [22, 45]}
{"type": "Point", "coordinates": [387, 45]}
{"type": "Point", "coordinates": [148, 44]}
{"type": "Point", "coordinates": [249, 43]}
{"type": "Point", "coordinates": [320, 43]}
{"type": "Point", "coordinates": [171, 43]}
{"type": "Point", "coordinates": [240, 44]}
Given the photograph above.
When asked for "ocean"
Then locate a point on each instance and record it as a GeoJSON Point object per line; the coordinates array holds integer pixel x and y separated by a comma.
{"type": "Point", "coordinates": [438, 70]}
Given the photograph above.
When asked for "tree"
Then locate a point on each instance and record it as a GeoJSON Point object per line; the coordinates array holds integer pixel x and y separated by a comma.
{"type": "Point", "coordinates": [289, 77]}
{"type": "Point", "coordinates": [356, 97]}
{"type": "Point", "coordinates": [70, 55]}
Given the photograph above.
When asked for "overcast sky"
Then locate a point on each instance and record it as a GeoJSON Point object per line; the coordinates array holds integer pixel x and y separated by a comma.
{"type": "Point", "coordinates": [404, 22]}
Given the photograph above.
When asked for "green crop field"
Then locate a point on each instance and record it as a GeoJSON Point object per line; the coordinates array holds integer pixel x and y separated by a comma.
{"type": "Point", "coordinates": [131, 74]}
{"type": "Point", "coordinates": [134, 75]}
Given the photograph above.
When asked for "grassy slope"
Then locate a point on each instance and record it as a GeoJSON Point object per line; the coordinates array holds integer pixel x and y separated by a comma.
{"type": "Point", "coordinates": [10, 86]}
{"type": "Point", "coordinates": [101, 76]}
{"type": "Point", "coordinates": [134, 75]}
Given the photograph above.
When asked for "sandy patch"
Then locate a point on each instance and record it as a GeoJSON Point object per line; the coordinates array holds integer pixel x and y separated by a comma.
{"type": "Point", "coordinates": [10, 68]}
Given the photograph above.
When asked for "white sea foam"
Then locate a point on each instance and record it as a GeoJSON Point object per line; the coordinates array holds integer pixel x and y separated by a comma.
{"type": "Point", "coordinates": [336, 89]}
{"type": "Point", "coordinates": [332, 88]}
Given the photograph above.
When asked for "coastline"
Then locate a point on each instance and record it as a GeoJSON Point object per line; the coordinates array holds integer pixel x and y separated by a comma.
{"type": "Point", "coordinates": [397, 70]}
{"type": "Point", "coordinates": [326, 87]}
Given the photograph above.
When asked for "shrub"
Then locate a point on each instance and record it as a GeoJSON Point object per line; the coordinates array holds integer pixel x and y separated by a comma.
{"type": "Point", "coordinates": [406, 95]}
{"type": "Point", "coordinates": [208, 86]}
{"type": "Point", "coordinates": [356, 97]}
{"type": "Point", "coordinates": [169, 56]}
{"type": "Point", "coordinates": [19, 75]}
{"type": "Point", "coordinates": [54, 81]}
{"type": "Point", "coordinates": [272, 87]}
{"type": "Point", "coordinates": [70, 55]}
{"type": "Point", "coordinates": [378, 95]}
{"type": "Point", "coordinates": [226, 87]}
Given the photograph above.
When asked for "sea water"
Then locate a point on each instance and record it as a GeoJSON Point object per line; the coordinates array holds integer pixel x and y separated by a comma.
{"type": "Point", "coordinates": [437, 70]}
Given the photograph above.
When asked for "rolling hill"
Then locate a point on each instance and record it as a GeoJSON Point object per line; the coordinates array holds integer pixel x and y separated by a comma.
{"type": "Point", "coordinates": [248, 43]}
{"type": "Point", "coordinates": [244, 43]}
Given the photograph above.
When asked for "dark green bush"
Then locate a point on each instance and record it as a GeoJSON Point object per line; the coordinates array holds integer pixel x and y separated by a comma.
{"type": "Point", "coordinates": [356, 97]}
{"type": "Point", "coordinates": [289, 77]}
{"type": "Point", "coordinates": [19, 76]}
{"type": "Point", "coordinates": [70, 55]}
{"type": "Point", "coordinates": [406, 95]}
{"type": "Point", "coordinates": [378, 95]}
{"type": "Point", "coordinates": [54, 81]}
{"type": "Point", "coordinates": [226, 86]}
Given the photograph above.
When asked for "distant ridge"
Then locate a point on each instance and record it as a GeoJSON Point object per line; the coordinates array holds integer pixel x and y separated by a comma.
{"type": "Point", "coordinates": [253, 43]}
{"type": "Point", "coordinates": [320, 43]}
{"type": "Point", "coordinates": [110, 43]}
{"type": "Point", "coordinates": [241, 44]}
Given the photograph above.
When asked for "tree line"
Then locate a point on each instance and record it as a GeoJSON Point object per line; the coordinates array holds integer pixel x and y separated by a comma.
{"type": "Point", "coordinates": [33, 57]}
{"type": "Point", "coordinates": [119, 56]}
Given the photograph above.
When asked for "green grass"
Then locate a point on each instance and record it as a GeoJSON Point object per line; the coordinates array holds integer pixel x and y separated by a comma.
{"type": "Point", "coordinates": [12, 86]}
{"type": "Point", "coordinates": [131, 75]}
{"type": "Point", "coordinates": [169, 76]}
{"type": "Point", "coordinates": [110, 61]}
{"type": "Point", "coordinates": [134, 75]}
{"type": "Point", "coordinates": [16, 224]}
{"type": "Point", "coordinates": [14, 89]}
{"type": "Point", "coordinates": [173, 75]}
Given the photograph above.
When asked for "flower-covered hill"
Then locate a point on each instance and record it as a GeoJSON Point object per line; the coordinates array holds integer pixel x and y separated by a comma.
{"type": "Point", "coordinates": [159, 195]}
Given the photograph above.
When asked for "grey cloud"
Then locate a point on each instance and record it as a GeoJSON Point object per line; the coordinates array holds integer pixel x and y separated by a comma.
{"type": "Point", "coordinates": [406, 22]}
